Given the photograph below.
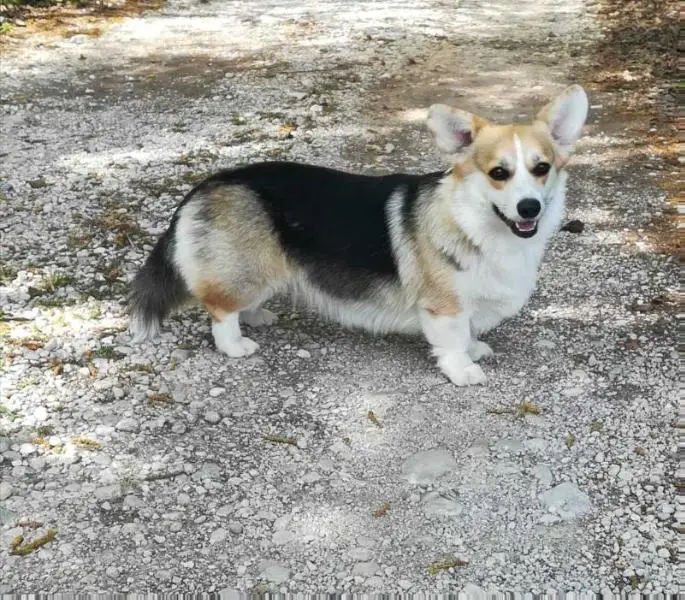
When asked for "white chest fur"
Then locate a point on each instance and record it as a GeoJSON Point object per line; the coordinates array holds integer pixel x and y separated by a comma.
{"type": "Point", "coordinates": [498, 284]}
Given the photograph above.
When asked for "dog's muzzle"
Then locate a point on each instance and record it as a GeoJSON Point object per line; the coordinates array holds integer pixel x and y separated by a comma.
{"type": "Point", "coordinates": [525, 228]}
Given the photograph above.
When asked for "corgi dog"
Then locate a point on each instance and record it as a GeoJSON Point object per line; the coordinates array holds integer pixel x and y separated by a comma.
{"type": "Point", "coordinates": [450, 254]}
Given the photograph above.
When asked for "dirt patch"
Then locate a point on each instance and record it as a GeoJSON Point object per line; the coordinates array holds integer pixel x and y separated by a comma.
{"type": "Point", "coordinates": [638, 55]}
{"type": "Point", "coordinates": [634, 75]}
{"type": "Point", "coordinates": [185, 76]}
{"type": "Point", "coordinates": [444, 71]}
{"type": "Point", "coordinates": [42, 21]}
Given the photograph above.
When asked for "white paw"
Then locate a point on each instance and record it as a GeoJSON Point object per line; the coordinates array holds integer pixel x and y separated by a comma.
{"type": "Point", "coordinates": [243, 346]}
{"type": "Point", "coordinates": [258, 317]}
{"type": "Point", "coordinates": [478, 350]}
{"type": "Point", "coordinates": [460, 370]}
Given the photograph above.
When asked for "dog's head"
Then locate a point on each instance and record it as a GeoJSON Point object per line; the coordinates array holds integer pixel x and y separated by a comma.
{"type": "Point", "coordinates": [513, 168]}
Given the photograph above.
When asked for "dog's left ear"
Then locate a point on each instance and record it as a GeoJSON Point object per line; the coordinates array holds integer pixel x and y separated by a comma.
{"type": "Point", "coordinates": [565, 117]}
{"type": "Point", "coordinates": [453, 130]}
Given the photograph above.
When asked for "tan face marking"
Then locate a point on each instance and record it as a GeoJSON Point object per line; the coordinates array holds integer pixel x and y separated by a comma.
{"type": "Point", "coordinates": [537, 143]}
{"type": "Point", "coordinates": [495, 147]}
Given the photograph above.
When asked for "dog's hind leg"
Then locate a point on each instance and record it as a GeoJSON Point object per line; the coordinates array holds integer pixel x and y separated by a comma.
{"type": "Point", "coordinates": [224, 307]}
{"type": "Point", "coordinates": [229, 339]}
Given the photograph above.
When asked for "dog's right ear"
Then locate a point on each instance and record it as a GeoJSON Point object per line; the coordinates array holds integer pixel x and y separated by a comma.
{"type": "Point", "coordinates": [453, 130]}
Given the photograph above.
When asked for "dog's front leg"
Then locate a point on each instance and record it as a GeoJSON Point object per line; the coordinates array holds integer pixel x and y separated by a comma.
{"type": "Point", "coordinates": [450, 336]}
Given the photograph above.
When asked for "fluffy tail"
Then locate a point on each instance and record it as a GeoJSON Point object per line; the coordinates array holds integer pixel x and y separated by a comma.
{"type": "Point", "coordinates": [157, 289]}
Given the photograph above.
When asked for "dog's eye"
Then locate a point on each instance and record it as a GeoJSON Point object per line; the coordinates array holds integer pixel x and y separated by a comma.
{"type": "Point", "coordinates": [541, 169]}
{"type": "Point", "coordinates": [499, 174]}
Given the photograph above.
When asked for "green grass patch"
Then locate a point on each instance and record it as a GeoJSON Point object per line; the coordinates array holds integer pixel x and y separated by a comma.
{"type": "Point", "coordinates": [39, 183]}
{"type": "Point", "coordinates": [105, 352]}
{"type": "Point", "coordinates": [7, 274]}
{"type": "Point", "coordinates": [193, 177]}
{"type": "Point", "coordinates": [280, 439]}
{"type": "Point", "coordinates": [50, 284]}
{"type": "Point", "coordinates": [20, 548]}
{"type": "Point", "coordinates": [86, 443]}
{"type": "Point", "coordinates": [445, 564]}
{"type": "Point", "coordinates": [9, 414]}
{"type": "Point", "coordinates": [26, 383]}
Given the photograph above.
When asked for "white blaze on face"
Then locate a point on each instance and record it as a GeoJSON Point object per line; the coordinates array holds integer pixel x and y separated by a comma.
{"type": "Point", "coordinates": [523, 186]}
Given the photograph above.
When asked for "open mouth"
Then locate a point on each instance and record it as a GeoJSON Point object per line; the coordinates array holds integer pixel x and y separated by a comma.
{"type": "Point", "coordinates": [524, 228]}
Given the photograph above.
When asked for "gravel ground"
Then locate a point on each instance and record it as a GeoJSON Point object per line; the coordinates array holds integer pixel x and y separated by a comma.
{"type": "Point", "coordinates": [331, 460]}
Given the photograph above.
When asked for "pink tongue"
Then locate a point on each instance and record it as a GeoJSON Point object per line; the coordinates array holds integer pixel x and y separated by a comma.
{"type": "Point", "coordinates": [525, 225]}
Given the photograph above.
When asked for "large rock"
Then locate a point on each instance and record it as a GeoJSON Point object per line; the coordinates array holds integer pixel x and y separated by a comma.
{"type": "Point", "coordinates": [567, 501]}
{"type": "Point", "coordinates": [274, 572]}
{"type": "Point", "coordinates": [428, 466]}
{"type": "Point", "coordinates": [365, 569]}
{"type": "Point", "coordinates": [435, 504]}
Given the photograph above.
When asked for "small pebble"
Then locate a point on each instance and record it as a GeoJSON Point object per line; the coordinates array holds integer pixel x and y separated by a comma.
{"type": "Point", "coordinates": [574, 226]}
{"type": "Point", "coordinates": [129, 425]}
{"type": "Point", "coordinates": [235, 528]}
{"type": "Point", "coordinates": [218, 536]}
{"type": "Point", "coordinates": [212, 416]}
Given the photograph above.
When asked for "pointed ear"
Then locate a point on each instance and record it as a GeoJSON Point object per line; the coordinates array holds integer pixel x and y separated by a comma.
{"type": "Point", "coordinates": [453, 130]}
{"type": "Point", "coordinates": [565, 117]}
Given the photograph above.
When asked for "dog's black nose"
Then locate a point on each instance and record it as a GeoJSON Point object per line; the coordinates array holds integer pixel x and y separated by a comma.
{"type": "Point", "coordinates": [528, 208]}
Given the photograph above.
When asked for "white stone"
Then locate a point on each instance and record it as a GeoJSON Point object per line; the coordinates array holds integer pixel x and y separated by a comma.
{"type": "Point", "coordinates": [128, 424]}
{"type": "Point", "coordinates": [218, 535]}
{"type": "Point", "coordinates": [27, 449]}
{"type": "Point", "coordinates": [535, 444]}
{"type": "Point", "coordinates": [109, 492]}
{"type": "Point", "coordinates": [506, 468]}
{"type": "Point", "coordinates": [282, 522]}
{"type": "Point", "coordinates": [6, 490]}
{"type": "Point", "coordinates": [428, 466]}
{"type": "Point", "coordinates": [567, 501]}
{"type": "Point", "coordinates": [311, 477]}
{"type": "Point", "coordinates": [508, 445]}
{"type": "Point", "coordinates": [543, 474]}
{"type": "Point", "coordinates": [210, 470]}
{"type": "Point", "coordinates": [235, 528]}
{"type": "Point", "coordinates": [361, 554]}
{"type": "Point", "coordinates": [435, 504]}
{"type": "Point", "coordinates": [366, 541]}
{"type": "Point", "coordinates": [572, 392]}
{"type": "Point", "coordinates": [112, 572]}
{"type": "Point", "coordinates": [211, 416]}
{"type": "Point", "coordinates": [282, 536]}
{"type": "Point", "coordinates": [473, 592]}
{"type": "Point", "coordinates": [365, 569]}
{"type": "Point", "coordinates": [275, 573]}
{"type": "Point", "coordinates": [625, 474]}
